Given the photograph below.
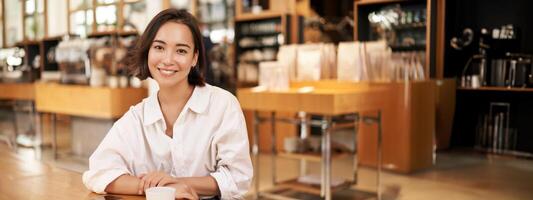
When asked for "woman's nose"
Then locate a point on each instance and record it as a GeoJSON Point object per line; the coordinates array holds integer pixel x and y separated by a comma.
{"type": "Point", "coordinates": [169, 57]}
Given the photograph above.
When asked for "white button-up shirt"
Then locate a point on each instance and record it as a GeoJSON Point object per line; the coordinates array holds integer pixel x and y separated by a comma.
{"type": "Point", "coordinates": [209, 138]}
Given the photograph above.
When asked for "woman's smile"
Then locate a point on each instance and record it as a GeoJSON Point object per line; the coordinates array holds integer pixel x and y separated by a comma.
{"type": "Point", "coordinates": [166, 72]}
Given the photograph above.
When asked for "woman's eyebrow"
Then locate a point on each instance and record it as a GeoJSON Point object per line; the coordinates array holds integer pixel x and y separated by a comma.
{"type": "Point", "coordinates": [183, 45]}
{"type": "Point", "coordinates": [160, 41]}
{"type": "Point", "coordinates": [178, 44]}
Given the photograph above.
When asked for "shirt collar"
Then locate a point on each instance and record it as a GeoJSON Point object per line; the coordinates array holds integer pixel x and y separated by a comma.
{"type": "Point", "coordinates": [198, 103]}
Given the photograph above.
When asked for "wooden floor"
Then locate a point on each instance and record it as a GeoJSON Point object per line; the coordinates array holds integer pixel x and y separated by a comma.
{"type": "Point", "coordinates": [24, 177]}
{"type": "Point", "coordinates": [457, 175]}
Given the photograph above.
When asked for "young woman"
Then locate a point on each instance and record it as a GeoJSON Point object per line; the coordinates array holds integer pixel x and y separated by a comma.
{"type": "Point", "coordinates": [190, 135]}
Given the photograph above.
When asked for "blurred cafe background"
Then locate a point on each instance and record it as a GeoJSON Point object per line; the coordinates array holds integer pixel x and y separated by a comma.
{"type": "Point", "coordinates": [343, 99]}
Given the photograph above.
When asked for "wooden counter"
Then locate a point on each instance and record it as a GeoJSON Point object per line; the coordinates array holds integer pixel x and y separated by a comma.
{"type": "Point", "coordinates": [27, 178]}
{"type": "Point", "coordinates": [85, 101]}
{"type": "Point", "coordinates": [318, 101]}
{"type": "Point", "coordinates": [17, 91]}
{"type": "Point", "coordinates": [339, 92]}
{"type": "Point", "coordinates": [408, 117]}
{"type": "Point", "coordinates": [408, 128]}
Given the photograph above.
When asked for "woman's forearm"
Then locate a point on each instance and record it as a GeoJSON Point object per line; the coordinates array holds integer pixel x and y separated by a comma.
{"type": "Point", "coordinates": [125, 184]}
{"type": "Point", "coordinates": [204, 186]}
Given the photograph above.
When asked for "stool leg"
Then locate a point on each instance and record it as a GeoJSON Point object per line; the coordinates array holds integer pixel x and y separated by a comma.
{"type": "Point", "coordinates": [38, 131]}
{"type": "Point", "coordinates": [15, 128]}
{"type": "Point", "coordinates": [326, 157]}
{"type": "Point", "coordinates": [54, 134]}
{"type": "Point", "coordinates": [274, 149]}
{"type": "Point", "coordinates": [303, 135]}
{"type": "Point", "coordinates": [355, 165]}
{"type": "Point", "coordinates": [255, 152]}
{"type": "Point", "coordinates": [380, 156]}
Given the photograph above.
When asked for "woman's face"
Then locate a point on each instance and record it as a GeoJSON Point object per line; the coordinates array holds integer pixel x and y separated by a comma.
{"type": "Point", "coordinates": [171, 55]}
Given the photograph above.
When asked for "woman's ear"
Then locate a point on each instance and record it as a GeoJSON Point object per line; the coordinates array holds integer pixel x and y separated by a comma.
{"type": "Point", "coordinates": [195, 59]}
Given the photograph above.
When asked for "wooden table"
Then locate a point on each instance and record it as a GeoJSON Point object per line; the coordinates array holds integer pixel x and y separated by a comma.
{"type": "Point", "coordinates": [27, 178]}
{"type": "Point", "coordinates": [318, 98]}
{"type": "Point", "coordinates": [17, 91]}
{"type": "Point", "coordinates": [20, 92]}
{"type": "Point", "coordinates": [86, 101]}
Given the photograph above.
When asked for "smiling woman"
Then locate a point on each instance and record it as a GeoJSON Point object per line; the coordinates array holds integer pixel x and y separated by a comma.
{"type": "Point", "coordinates": [190, 136]}
{"type": "Point", "coordinates": [172, 55]}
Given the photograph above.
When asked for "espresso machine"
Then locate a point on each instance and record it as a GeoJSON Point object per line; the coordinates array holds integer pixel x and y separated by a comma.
{"type": "Point", "coordinates": [14, 65]}
{"type": "Point", "coordinates": [73, 60]}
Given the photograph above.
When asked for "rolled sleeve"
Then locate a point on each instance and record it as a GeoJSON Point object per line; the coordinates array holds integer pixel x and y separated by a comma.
{"type": "Point", "coordinates": [110, 160]}
{"type": "Point", "coordinates": [234, 170]}
{"type": "Point", "coordinates": [228, 190]}
{"type": "Point", "coordinates": [97, 180]}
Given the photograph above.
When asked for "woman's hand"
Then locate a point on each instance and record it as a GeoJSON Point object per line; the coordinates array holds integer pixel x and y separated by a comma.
{"type": "Point", "coordinates": [154, 179]}
{"type": "Point", "coordinates": [183, 191]}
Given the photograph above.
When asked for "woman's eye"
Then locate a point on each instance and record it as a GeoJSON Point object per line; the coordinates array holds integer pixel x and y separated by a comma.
{"type": "Point", "coordinates": [181, 51]}
{"type": "Point", "coordinates": [158, 47]}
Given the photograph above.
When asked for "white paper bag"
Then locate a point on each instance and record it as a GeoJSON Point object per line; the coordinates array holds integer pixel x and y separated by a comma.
{"type": "Point", "coordinates": [350, 65]}
{"type": "Point", "coordinates": [309, 62]}
{"type": "Point", "coordinates": [287, 56]}
{"type": "Point", "coordinates": [273, 76]}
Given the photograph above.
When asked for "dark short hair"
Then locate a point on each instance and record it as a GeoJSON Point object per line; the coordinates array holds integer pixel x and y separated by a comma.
{"type": "Point", "coordinates": [138, 57]}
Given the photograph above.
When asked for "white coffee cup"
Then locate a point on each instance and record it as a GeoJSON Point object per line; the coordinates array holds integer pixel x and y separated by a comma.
{"type": "Point", "coordinates": [160, 193]}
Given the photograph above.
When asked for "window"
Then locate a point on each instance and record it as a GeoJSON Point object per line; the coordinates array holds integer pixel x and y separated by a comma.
{"type": "Point", "coordinates": [34, 19]}
{"type": "Point", "coordinates": [13, 22]}
{"type": "Point", "coordinates": [81, 17]}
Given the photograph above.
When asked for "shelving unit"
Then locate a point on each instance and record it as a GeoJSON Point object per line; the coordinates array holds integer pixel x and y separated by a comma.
{"type": "Point", "coordinates": [32, 49]}
{"type": "Point", "coordinates": [49, 66]}
{"type": "Point", "coordinates": [273, 20]}
{"type": "Point", "coordinates": [476, 126]}
{"type": "Point", "coordinates": [493, 88]}
{"type": "Point", "coordinates": [255, 30]}
{"type": "Point", "coordinates": [411, 33]}
{"type": "Point", "coordinates": [473, 118]}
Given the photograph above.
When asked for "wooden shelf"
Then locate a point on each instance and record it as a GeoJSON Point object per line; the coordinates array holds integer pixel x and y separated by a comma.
{"type": "Point", "coordinates": [28, 42]}
{"type": "Point", "coordinates": [52, 38]}
{"type": "Point", "coordinates": [311, 156]}
{"type": "Point", "coordinates": [410, 26]}
{"type": "Point", "coordinates": [416, 47]}
{"type": "Point", "coordinates": [258, 16]}
{"type": "Point", "coordinates": [308, 188]}
{"type": "Point", "coordinates": [370, 2]}
{"type": "Point", "coordinates": [496, 89]}
{"type": "Point", "coordinates": [246, 84]}
{"type": "Point", "coordinates": [343, 125]}
{"type": "Point", "coordinates": [260, 47]}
